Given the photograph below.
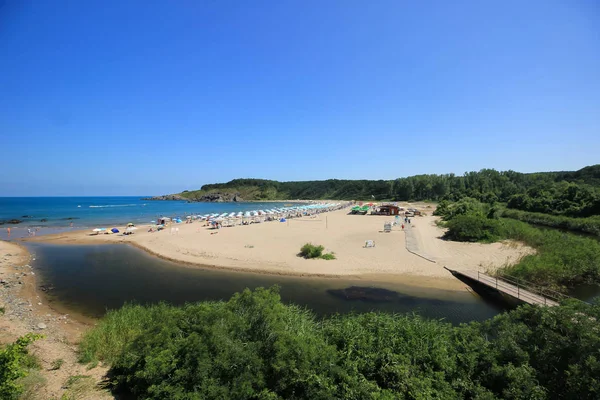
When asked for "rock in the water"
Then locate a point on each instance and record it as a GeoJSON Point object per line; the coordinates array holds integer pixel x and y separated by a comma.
{"type": "Point", "coordinates": [41, 325]}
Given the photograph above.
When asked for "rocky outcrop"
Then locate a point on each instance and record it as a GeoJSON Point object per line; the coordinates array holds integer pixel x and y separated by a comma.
{"type": "Point", "coordinates": [13, 221]}
{"type": "Point", "coordinates": [219, 197]}
{"type": "Point", "coordinates": [166, 197]}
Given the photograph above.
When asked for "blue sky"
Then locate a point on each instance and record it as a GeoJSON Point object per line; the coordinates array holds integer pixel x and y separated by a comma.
{"type": "Point", "coordinates": [147, 97]}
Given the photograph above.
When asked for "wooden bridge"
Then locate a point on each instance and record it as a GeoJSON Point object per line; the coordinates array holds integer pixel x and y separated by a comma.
{"type": "Point", "coordinates": [514, 287]}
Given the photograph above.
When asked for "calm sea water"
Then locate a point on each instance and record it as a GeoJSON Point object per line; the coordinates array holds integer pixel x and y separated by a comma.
{"type": "Point", "coordinates": [91, 279]}
{"type": "Point", "coordinates": [57, 213]}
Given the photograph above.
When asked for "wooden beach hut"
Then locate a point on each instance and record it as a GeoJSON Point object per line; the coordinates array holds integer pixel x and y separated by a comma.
{"type": "Point", "coordinates": [388, 209]}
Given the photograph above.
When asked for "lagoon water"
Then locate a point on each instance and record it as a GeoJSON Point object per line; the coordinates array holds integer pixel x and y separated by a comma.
{"type": "Point", "coordinates": [53, 214]}
{"type": "Point", "coordinates": [93, 278]}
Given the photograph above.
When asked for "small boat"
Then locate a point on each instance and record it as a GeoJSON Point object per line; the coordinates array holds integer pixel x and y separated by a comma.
{"type": "Point", "coordinates": [79, 206]}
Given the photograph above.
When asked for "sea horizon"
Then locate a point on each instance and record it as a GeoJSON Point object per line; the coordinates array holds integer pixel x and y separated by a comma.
{"type": "Point", "coordinates": [51, 214]}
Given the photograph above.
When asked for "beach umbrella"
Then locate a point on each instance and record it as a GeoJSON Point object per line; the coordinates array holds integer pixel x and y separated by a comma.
{"type": "Point", "coordinates": [97, 230]}
{"type": "Point", "coordinates": [188, 217]}
{"type": "Point", "coordinates": [114, 230]}
{"type": "Point", "coordinates": [130, 224]}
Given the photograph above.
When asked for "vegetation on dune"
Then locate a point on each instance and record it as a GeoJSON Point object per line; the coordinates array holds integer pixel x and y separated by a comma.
{"type": "Point", "coordinates": [310, 250]}
{"type": "Point", "coordinates": [255, 347]}
{"type": "Point", "coordinates": [589, 225]}
{"type": "Point", "coordinates": [562, 259]}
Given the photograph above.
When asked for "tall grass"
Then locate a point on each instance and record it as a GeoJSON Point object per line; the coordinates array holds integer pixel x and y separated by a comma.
{"type": "Point", "coordinates": [562, 259]}
{"type": "Point", "coordinates": [120, 327]}
{"type": "Point", "coordinates": [589, 225]}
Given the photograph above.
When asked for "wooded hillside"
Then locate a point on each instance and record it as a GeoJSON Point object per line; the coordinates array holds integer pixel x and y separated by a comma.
{"type": "Point", "coordinates": [570, 193]}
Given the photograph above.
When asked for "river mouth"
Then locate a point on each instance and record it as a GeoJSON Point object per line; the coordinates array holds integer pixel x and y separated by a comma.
{"type": "Point", "coordinates": [88, 280]}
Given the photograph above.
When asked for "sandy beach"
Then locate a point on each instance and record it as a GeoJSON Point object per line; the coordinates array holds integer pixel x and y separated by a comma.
{"type": "Point", "coordinates": [272, 247]}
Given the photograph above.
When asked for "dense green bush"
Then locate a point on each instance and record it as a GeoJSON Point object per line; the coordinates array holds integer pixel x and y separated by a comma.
{"type": "Point", "coordinates": [254, 347]}
{"type": "Point", "coordinates": [311, 251]}
{"type": "Point", "coordinates": [473, 228]}
{"type": "Point", "coordinates": [15, 363]}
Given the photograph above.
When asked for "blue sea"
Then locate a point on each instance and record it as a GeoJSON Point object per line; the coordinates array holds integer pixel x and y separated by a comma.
{"type": "Point", "coordinates": [55, 214]}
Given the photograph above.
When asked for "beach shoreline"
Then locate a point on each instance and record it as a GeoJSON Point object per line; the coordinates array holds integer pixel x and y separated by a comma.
{"type": "Point", "coordinates": [272, 248]}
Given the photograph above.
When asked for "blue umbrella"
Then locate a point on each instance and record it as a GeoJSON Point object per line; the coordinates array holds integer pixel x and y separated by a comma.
{"type": "Point", "coordinates": [114, 230]}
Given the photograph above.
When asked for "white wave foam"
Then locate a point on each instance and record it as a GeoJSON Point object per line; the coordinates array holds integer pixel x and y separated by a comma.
{"type": "Point", "coordinates": [115, 205]}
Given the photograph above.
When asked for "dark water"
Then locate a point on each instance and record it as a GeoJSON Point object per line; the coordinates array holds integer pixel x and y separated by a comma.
{"type": "Point", "coordinates": [589, 293]}
{"type": "Point", "coordinates": [91, 279]}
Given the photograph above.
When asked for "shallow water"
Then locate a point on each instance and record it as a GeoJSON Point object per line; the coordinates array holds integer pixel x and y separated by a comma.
{"type": "Point", "coordinates": [88, 280]}
{"type": "Point", "coordinates": [58, 213]}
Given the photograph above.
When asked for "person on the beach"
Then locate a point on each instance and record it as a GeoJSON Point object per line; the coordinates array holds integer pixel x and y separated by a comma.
{"type": "Point", "coordinates": [8, 231]}
{"type": "Point", "coordinates": [402, 226]}
{"type": "Point", "coordinates": [28, 232]}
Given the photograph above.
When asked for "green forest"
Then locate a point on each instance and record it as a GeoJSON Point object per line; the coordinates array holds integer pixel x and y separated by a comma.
{"type": "Point", "coordinates": [573, 194]}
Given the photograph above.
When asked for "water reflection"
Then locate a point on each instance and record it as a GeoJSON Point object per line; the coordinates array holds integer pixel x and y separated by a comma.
{"type": "Point", "coordinates": [93, 278]}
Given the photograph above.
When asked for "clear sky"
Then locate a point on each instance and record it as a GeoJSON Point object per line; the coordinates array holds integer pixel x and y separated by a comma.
{"type": "Point", "coordinates": [151, 97]}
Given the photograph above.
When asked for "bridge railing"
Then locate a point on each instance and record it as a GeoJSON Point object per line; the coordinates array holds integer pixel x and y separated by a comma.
{"type": "Point", "coordinates": [525, 286]}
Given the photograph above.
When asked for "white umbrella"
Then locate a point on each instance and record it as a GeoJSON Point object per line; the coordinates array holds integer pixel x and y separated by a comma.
{"type": "Point", "coordinates": [131, 229]}
{"type": "Point", "coordinates": [97, 230]}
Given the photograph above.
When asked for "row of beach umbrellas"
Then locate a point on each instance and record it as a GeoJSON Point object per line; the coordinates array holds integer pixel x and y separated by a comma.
{"type": "Point", "coordinates": [274, 212]}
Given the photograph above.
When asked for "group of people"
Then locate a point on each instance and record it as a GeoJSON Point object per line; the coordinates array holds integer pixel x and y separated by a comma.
{"type": "Point", "coordinates": [406, 221]}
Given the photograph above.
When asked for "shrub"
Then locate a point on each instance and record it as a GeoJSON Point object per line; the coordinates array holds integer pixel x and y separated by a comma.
{"type": "Point", "coordinates": [473, 228]}
{"type": "Point", "coordinates": [252, 346]}
{"type": "Point", "coordinates": [328, 256]}
{"type": "Point", "coordinates": [14, 365]}
{"type": "Point", "coordinates": [255, 347]}
{"type": "Point", "coordinates": [311, 251]}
